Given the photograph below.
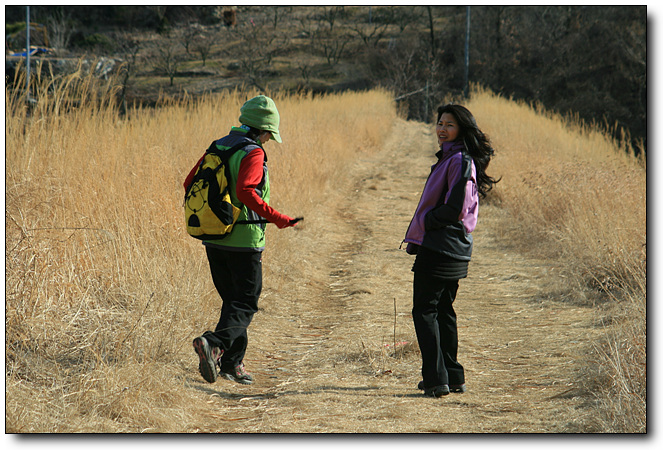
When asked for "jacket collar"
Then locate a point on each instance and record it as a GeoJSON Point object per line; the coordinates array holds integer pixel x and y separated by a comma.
{"type": "Point", "coordinates": [448, 149]}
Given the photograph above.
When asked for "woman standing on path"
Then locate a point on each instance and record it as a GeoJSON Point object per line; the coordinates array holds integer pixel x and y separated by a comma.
{"type": "Point", "coordinates": [440, 237]}
{"type": "Point", "coordinates": [236, 260]}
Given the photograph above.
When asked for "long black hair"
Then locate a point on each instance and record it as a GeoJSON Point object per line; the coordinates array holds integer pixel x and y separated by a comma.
{"type": "Point", "coordinates": [477, 144]}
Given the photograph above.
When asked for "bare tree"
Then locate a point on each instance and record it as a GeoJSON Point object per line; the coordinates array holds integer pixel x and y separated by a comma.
{"type": "Point", "coordinates": [305, 70]}
{"type": "Point", "coordinates": [167, 60]}
{"type": "Point", "coordinates": [188, 35]}
{"type": "Point", "coordinates": [372, 31]}
{"type": "Point", "coordinates": [332, 14]}
{"type": "Point", "coordinates": [203, 44]}
{"type": "Point", "coordinates": [60, 27]}
{"type": "Point", "coordinates": [278, 13]}
{"type": "Point", "coordinates": [323, 37]}
{"type": "Point", "coordinates": [258, 50]}
{"type": "Point", "coordinates": [128, 48]}
{"type": "Point", "coordinates": [404, 16]}
{"type": "Point", "coordinates": [331, 45]}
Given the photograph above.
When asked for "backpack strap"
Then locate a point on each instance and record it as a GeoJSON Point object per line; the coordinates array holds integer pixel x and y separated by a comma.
{"type": "Point", "coordinates": [226, 154]}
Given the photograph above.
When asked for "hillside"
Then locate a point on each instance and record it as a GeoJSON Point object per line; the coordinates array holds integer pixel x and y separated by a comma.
{"type": "Point", "coordinates": [596, 70]}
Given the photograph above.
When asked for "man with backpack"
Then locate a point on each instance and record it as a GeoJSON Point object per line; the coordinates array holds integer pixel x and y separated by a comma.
{"type": "Point", "coordinates": [235, 260]}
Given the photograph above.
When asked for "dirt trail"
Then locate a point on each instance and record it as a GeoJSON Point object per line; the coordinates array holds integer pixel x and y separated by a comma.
{"type": "Point", "coordinates": [322, 346]}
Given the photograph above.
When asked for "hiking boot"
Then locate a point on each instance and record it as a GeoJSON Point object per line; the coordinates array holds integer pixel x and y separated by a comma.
{"type": "Point", "coordinates": [207, 365]}
{"type": "Point", "coordinates": [437, 391]}
{"type": "Point", "coordinates": [238, 374]}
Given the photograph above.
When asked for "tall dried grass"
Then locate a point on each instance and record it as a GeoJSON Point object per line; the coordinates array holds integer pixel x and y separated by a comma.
{"type": "Point", "coordinates": [577, 196]}
{"type": "Point", "coordinates": [99, 269]}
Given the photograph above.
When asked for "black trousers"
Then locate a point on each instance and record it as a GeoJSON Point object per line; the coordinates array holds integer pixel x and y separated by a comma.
{"type": "Point", "coordinates": [435, 325]}
{"type": "Point", "coordinates": [237, 277]}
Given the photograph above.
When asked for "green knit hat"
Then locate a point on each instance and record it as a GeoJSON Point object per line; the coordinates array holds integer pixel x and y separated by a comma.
{"type": "Point", "coordinates": [260, 112]}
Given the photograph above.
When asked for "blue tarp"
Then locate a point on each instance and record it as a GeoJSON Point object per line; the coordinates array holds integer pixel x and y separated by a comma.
{"type": "Point", "coordinates": [33, 51]}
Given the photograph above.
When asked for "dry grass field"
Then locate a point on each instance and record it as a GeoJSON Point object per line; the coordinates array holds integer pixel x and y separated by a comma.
{"type": "Point", "coordinates": [579, 199]}
{"type": "Point", "coordinates": [105, 291]}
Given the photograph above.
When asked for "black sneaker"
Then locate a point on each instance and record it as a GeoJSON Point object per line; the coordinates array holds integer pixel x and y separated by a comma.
{"type": "Point", "coordinates": [238, 375]}
{"type": "Point", "coordinates": [207, 365]}
{"type": "Point", "coordinates": [453, 388]}
{"type": "Point", "coordinates": [437, 391]}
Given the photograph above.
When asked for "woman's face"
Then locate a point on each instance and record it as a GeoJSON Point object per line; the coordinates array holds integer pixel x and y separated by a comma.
{"type": "Point", "coordinates": [447, 129]}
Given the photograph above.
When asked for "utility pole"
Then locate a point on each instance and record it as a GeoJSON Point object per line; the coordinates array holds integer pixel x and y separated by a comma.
{"type": "Point", "coordinates": [27, 53]}
{"type": "Point", "coordinates": [431, 63]}
{"type": "Point", "coordinates": [467, 51]}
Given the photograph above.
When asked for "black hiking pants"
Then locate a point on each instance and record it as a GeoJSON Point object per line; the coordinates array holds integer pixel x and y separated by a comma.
{"type": "Point", "coordinates": [435, 325]}
{"type": "Point", "coordinates": [237, 277]}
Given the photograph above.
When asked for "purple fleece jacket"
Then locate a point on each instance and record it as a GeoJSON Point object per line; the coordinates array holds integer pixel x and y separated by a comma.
{"type": "Point", "coordinates": [445, 174]}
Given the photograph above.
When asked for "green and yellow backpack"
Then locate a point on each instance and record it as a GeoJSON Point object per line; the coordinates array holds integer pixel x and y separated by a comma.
{"type": "Point", "coordinates": [208, 210]}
